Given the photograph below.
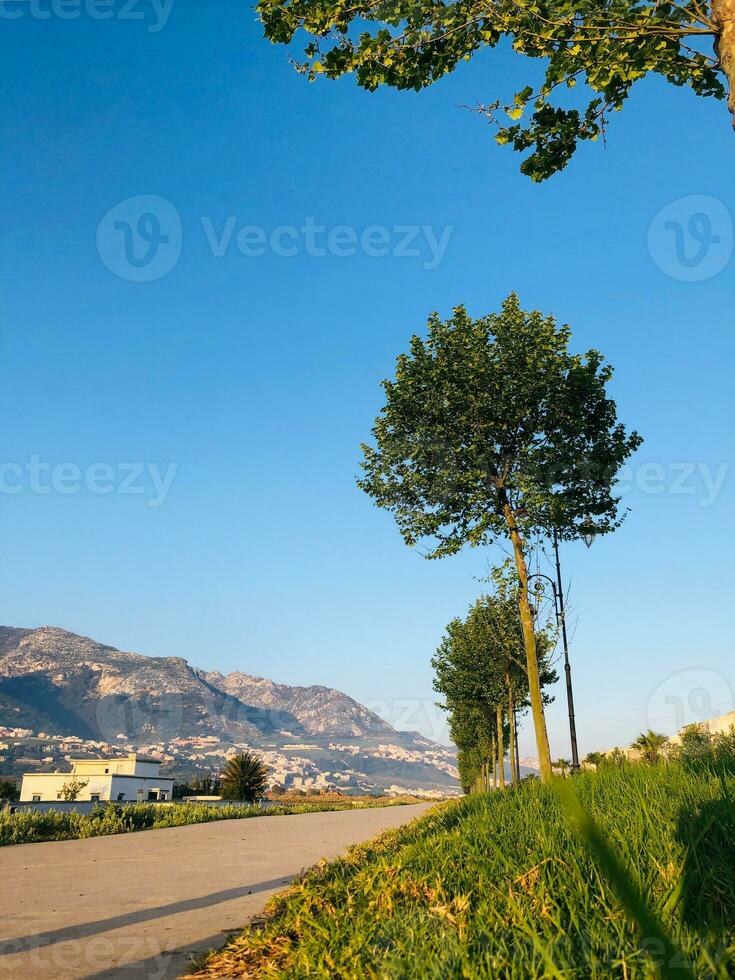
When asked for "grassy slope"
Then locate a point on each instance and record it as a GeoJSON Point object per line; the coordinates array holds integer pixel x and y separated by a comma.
{"type": "Point", "coordinates": [502, 886]}
{"type": "Point", "coordinates": [31, 827]}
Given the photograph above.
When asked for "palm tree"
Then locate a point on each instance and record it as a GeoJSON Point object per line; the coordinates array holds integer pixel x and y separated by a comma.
{"type": "Point", "coordinates": [244, 778]}
{"type": "Point", "coordinates": [649, 744]}
{"type": "Point", "coordinates": [595, 758]}
{"type": "Point", "coordinates": [562, 765]}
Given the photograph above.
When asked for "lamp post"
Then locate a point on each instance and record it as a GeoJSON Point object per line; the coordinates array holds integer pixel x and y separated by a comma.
{"type": "Point", "coordinates": [557, 591]}
{"type": "Point", "coordinates": [567, 666]}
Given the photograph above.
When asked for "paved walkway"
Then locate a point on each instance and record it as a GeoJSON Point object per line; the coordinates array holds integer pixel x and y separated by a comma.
{"type": "Point", "coordinates": [139, 905]}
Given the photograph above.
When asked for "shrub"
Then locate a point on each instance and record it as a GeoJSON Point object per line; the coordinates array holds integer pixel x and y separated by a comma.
{"type": "Point", "coordinates": [244, 778]}
{"type": "Point", "coordinates": [32, 826]}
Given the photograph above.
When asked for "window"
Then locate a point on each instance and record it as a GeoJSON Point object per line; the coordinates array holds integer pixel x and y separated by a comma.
{"type": "Point", "coordinates": [163, 795]}
{"type": "Point", "coordinates": [58, 795]}
{"type": "Point", "coordinates": [107, 770]}
{"type": "Point", "coordinates": [120, 797]}
{"type": "Point", "coordinates": [95, 797]}
{"type": "Point", "coordinates": [36, 798]}
{"type": "Point", "coordinates": [152, 794]}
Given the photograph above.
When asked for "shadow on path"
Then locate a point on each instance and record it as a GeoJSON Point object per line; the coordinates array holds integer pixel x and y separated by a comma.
{"type": "Point", "coordinates": [81, 930]}
{"type": "Point", "coordinates": [165, 966]}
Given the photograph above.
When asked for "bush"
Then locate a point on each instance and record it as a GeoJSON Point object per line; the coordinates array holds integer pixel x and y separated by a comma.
{"type": "Point", "coordinates": [244, 778]}
{"type": "Point", "coordinates": [32, 826]}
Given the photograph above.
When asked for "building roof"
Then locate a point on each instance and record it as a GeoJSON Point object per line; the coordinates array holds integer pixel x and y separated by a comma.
{"type": "Point", "coordinates": [114, 758]}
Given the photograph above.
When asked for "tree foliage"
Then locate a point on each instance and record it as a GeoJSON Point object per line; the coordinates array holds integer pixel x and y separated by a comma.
{"type": "Point", "coordinates": [9, 790]}
{"type": "Point", "coordinates": [480, 670]}
{"type": "Point", "coordinates": [608, 45]}
{"type": "Point", "coordinates": [72, 788]}
{"type": "Point", "coordinates": [650, 744]}
{"type": "Point", "coordinates": [244, 777]}
{"type": "Point", "coordinates": [492, 428]}
{"type": "Point", "coordinates": [494, 411]}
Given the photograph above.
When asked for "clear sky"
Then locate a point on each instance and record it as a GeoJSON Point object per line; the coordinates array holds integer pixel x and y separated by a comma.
{"type": "Point", "coordinates": [243, 380]}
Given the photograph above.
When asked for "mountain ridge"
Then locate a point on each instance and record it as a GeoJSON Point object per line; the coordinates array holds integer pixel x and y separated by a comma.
{"type": "Point", "coordinates": [62, 693]}
{"type": "Point", "coordinates": [89, 675]}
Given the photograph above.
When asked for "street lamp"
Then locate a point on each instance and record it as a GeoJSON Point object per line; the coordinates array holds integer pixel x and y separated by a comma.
{"type": "Point", "coordinates": [557, 590]}
{"type": "Point", "coordinates": [567, 667]}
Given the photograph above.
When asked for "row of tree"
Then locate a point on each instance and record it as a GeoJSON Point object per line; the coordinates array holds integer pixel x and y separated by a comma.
{"type": "Point", "coordinates": [480, 670]}
{"type": "Point", "coordinates": [493, 430]}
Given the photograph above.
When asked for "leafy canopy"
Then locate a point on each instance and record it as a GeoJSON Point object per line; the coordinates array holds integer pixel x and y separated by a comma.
{"type": "Point", "coordinates": [244, 778]}
{"type": "Point", "coordinates": [495, 413]}
{"type": "Point", "coordinates": [481, 655]}
{"type": "Point", "coordinates": [480, 664]}
{"type": "Point", "coordinates": [607, 44]}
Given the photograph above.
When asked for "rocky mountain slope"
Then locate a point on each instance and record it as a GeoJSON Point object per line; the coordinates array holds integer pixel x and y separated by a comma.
{"type": "Point", "coordinates": [63, 694]}
{"type": "Point", "coordinates": [318, 710]}
{"type": "Point", "coordinates": [56, 681]}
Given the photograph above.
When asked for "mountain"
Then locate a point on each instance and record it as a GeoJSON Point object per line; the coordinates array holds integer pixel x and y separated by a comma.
{"type": "Point", "coordinates": [56, 686]}
{"type": "Point", "coordinates": [318, 710]}
{"type": "Point", "coordinates": [57, 679]}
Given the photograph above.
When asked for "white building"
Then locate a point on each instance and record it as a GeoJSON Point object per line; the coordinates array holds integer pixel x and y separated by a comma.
{"type": "Point", "coordinates": [132, 778]}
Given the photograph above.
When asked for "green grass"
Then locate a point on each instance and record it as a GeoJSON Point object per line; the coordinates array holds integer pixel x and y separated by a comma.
{"type": "Point", "coordinates": [33, 826]}
{"type": "Point", "coordinates": [632, 877]}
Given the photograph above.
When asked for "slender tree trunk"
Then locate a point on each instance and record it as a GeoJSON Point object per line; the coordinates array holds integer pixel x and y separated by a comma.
{"type": "Point", "coordinates": [495, 765]}
{"type": "Point", "coordinates": [516, 763]}
{"type": "Point", "coordinates": [529, 642]}
{"type": "Point", "coordinates": [501, 747]}
{"type": "Point", "coordinates": [724, 14]}
{"type": "Point", "coordinates": [512, 746]}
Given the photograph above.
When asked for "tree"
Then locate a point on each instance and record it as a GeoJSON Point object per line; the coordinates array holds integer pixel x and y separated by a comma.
{"type": "Point", "coordinates": [244, 778]}
{"type": "Point", "coordinates": [472, 730]}
{"type": "Point", "coordinates": [72, 788]}
{"type": "Point", "coordinates": [563, 765]}
{"type": "Point", "coordinates": [8, 790]}
{"type": "Point", "coordinates": [208, 785]}
{"type": "Point", "coordinates": [595, 759]}
{"type": "Point", "coordinates": [696, 741]}
{"type": "Point", "coordinates": [650, 744]}
{"type": "Point", "coordinates": [480, 663]}
{"type": "Point", "coordinates": [410, 44]}
{"type": "Point", "coordinates": [491, 428]}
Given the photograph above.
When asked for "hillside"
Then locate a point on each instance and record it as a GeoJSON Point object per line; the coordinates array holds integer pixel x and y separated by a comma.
{"type": "Point", "coordinates": [61, 685]}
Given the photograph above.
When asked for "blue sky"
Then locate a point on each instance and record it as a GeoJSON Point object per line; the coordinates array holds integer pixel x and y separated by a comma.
{"type": "Point", "coordinates": [256, 376]}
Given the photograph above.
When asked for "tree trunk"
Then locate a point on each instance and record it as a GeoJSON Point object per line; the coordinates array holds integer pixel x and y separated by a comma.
{"type": "Point", "coordinates": [495, 766]}
{"type": "Point", "coordinates": [529, 642]}
{"type": "Point", "coordinates": [501, 747]}
{"type": "Point", "coordinates": [724, 14]}
{"type": "Point", "coordinates": [516, 761]}
{"type": "Point", "coordinates": [512, 746]}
